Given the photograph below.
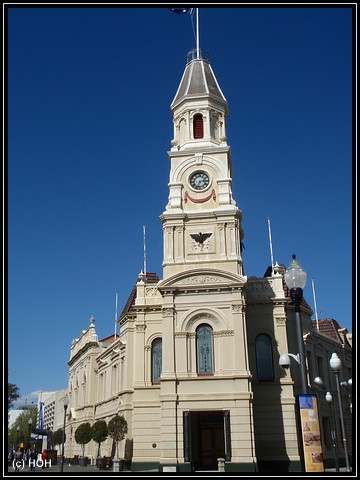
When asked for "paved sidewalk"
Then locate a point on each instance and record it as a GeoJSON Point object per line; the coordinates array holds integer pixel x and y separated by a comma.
{"type": "Point", "coordinates": [76, 470]}
{"type": "Point", "coordinates": [92, 470]}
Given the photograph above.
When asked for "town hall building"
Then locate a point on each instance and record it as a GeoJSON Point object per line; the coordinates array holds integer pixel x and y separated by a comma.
{"type": "Point", "coordinates": [195, 368]}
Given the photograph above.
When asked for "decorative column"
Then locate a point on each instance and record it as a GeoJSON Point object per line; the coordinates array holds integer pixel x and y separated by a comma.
{"type": "Point", "coordinates": [179, 243]}
{"type": "Point", "coordinates": [140, 354]}
{"type": "Point", "coordinates": [168, 395]}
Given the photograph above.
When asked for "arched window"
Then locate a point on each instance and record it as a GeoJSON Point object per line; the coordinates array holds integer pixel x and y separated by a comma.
{"type": "Point", "coordinates": [156, 360]}
{"type": "Point", "coordinates": [204, 350]}
{"type": "Point", "coordinates": [198, 126]}
{"type": "Point", "coordinates": [264, 358]}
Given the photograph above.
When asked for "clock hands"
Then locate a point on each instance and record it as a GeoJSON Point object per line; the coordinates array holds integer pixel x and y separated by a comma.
{"type": "Point", "coordinates": [199, 180]}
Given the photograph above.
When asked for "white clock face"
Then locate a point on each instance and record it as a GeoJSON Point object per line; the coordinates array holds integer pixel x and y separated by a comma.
{"type": "Point", "coordinates": [199, 180]}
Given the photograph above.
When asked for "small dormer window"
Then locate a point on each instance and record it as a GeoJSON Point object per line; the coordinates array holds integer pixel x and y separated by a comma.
{"type": "Point", "coordinates": [198, 125]}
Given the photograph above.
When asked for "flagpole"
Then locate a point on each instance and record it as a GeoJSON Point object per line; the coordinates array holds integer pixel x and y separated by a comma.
{"type": "Point", "coordinates": [271, 249]}
{"type": "Point", "coordinates": [116, 309]}
{"type": "Point", "coordinates": [316, 313]}
{"type": "Point", "coordinates": [197, 35]}
{"type": "Point", "coordinates": [144, 252]}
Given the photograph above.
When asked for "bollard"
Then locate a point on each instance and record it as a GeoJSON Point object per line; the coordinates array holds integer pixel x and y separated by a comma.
{"type": "Point", "coordinates": [221, 464]}
{"type": "Point", "coordinates": [116, 464]}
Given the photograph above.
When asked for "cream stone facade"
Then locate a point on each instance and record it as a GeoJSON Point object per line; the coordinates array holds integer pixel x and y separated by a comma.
{"type": "Point", "coordinates": [186, 370]}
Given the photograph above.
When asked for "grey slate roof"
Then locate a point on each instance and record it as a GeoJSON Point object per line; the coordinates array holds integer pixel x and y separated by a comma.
{"type": "Point", "coordinates": [198, 80]}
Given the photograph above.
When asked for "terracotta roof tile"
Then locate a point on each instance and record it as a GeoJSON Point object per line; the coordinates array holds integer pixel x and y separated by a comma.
{"type": "Point", "coordinates": [329, 327]}
{"type": "Point", "coordinates": [150, 278]}
{"type": "Point", "coordinates": [110, 337]}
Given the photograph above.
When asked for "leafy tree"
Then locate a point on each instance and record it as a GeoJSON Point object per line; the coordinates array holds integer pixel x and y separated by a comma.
{"type": "Point", "coordinates": [83, 435]}
{"type": "Point", "coordinates": [57, 437]}
{"type": "Point", "coordinates": [21, 429]}
{"type": "Point", "coordinates": [117, 430]}
{"type": "Point", "coordinates": [13, 394]}
{"type": "Point", "coordinates": [99, 432]}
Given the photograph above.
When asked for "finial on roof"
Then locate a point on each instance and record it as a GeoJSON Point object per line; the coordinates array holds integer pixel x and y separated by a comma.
{"type": "Point", "coordinates": [92, 321]}
{"type": "Point", "coordinates": [141, 276]}
{"type": "Point", "coordinates": [277, 268]}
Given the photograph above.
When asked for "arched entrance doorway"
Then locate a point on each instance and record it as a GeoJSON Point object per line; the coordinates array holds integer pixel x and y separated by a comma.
{"type": "Point", "coordinates": [207, 439]}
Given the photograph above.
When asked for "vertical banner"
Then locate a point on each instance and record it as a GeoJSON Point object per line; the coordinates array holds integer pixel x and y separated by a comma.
{"type": "Point", "coordinates": [310, 433]}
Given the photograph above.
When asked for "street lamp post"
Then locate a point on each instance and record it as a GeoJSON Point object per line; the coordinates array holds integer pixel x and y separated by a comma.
{"type": "Point", "coordinates": [66, 403]}
{"type": "Point", "coordinates": [295, 279]}
{"type": "Point", "coordinates": [30, 424]}
{"type": "Point", "coordinates": [335, 364]}
{"type": "Point", "coordinates": [328, 398]}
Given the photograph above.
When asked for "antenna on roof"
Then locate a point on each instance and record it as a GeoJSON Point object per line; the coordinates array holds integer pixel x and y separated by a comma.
{"type": "Point", "coordinates": [271, 249]}
{"type": "Point", "coordinates": [316, 314]}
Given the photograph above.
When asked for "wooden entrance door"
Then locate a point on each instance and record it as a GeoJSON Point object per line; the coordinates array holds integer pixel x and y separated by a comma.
{"type": "Point", "coordinates": [211, 439]}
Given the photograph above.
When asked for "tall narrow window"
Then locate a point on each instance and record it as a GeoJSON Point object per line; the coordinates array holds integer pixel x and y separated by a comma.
{"type": "Point", "coordinates": [264, 358]}
{"type": "Point", "coordinates": [156, 360]}
{"type": "Point", "coordinates": [114, 379]}
{"type": "Point", "coordinates": [198, 125]}
{"type": "Point", "coordinates": [320, 367]}
{"type": "Point", "coordinates": [204, 350]}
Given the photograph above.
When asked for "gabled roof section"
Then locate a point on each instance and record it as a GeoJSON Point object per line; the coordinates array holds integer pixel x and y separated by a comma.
{"type": "Point", "coordinates": [150, 278]}
{"type": "Point", "coordinates": [198, 80]}
{"type": "Point", "coordinates": [110, 338]}
{"type": "Point", "coordinates": [330, 328]}
{"type": "Point", "coordinates": [282, 269]}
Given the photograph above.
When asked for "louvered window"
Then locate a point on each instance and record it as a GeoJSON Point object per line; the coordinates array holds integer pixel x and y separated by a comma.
{"type": "Point", "coordinates": [198, 124]}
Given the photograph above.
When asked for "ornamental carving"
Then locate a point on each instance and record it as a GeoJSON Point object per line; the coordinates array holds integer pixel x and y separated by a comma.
{"type": "Point", "coordinates": [260, 286]}
{"type": "Point", "coordinates": [140, 328]}
{"type": "Point", "coordinates": [199, 200]}
{"type": "Point", "coordinates": [201, 280]}
{"type": "Point", "coordinates": [200, 247]}
{"type": "Point", "coordinates": [280, 321]}
{"type": "Point", "coordinates": [168, 312]}
{"type": "Point", "coordinates": [223, 333]}
{"type": "Point", "coordinates": [259, 290]}
{"type": "Point", "coordinates": [181, 334]}
{"type": "Point", "coordinates": [236, 308]}
{"type": "Point", "coordinates": [152, 292]}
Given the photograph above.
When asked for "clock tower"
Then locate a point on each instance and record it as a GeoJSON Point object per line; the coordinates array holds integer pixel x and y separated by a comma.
{"type": "Point", "coordinates": [201, 223]}
{"type": "Point", "coordinates": [205, 377]}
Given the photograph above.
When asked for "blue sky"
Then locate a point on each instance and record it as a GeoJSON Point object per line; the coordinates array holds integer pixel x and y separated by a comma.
{"type": "Point", "coordinates": [89, 127]}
